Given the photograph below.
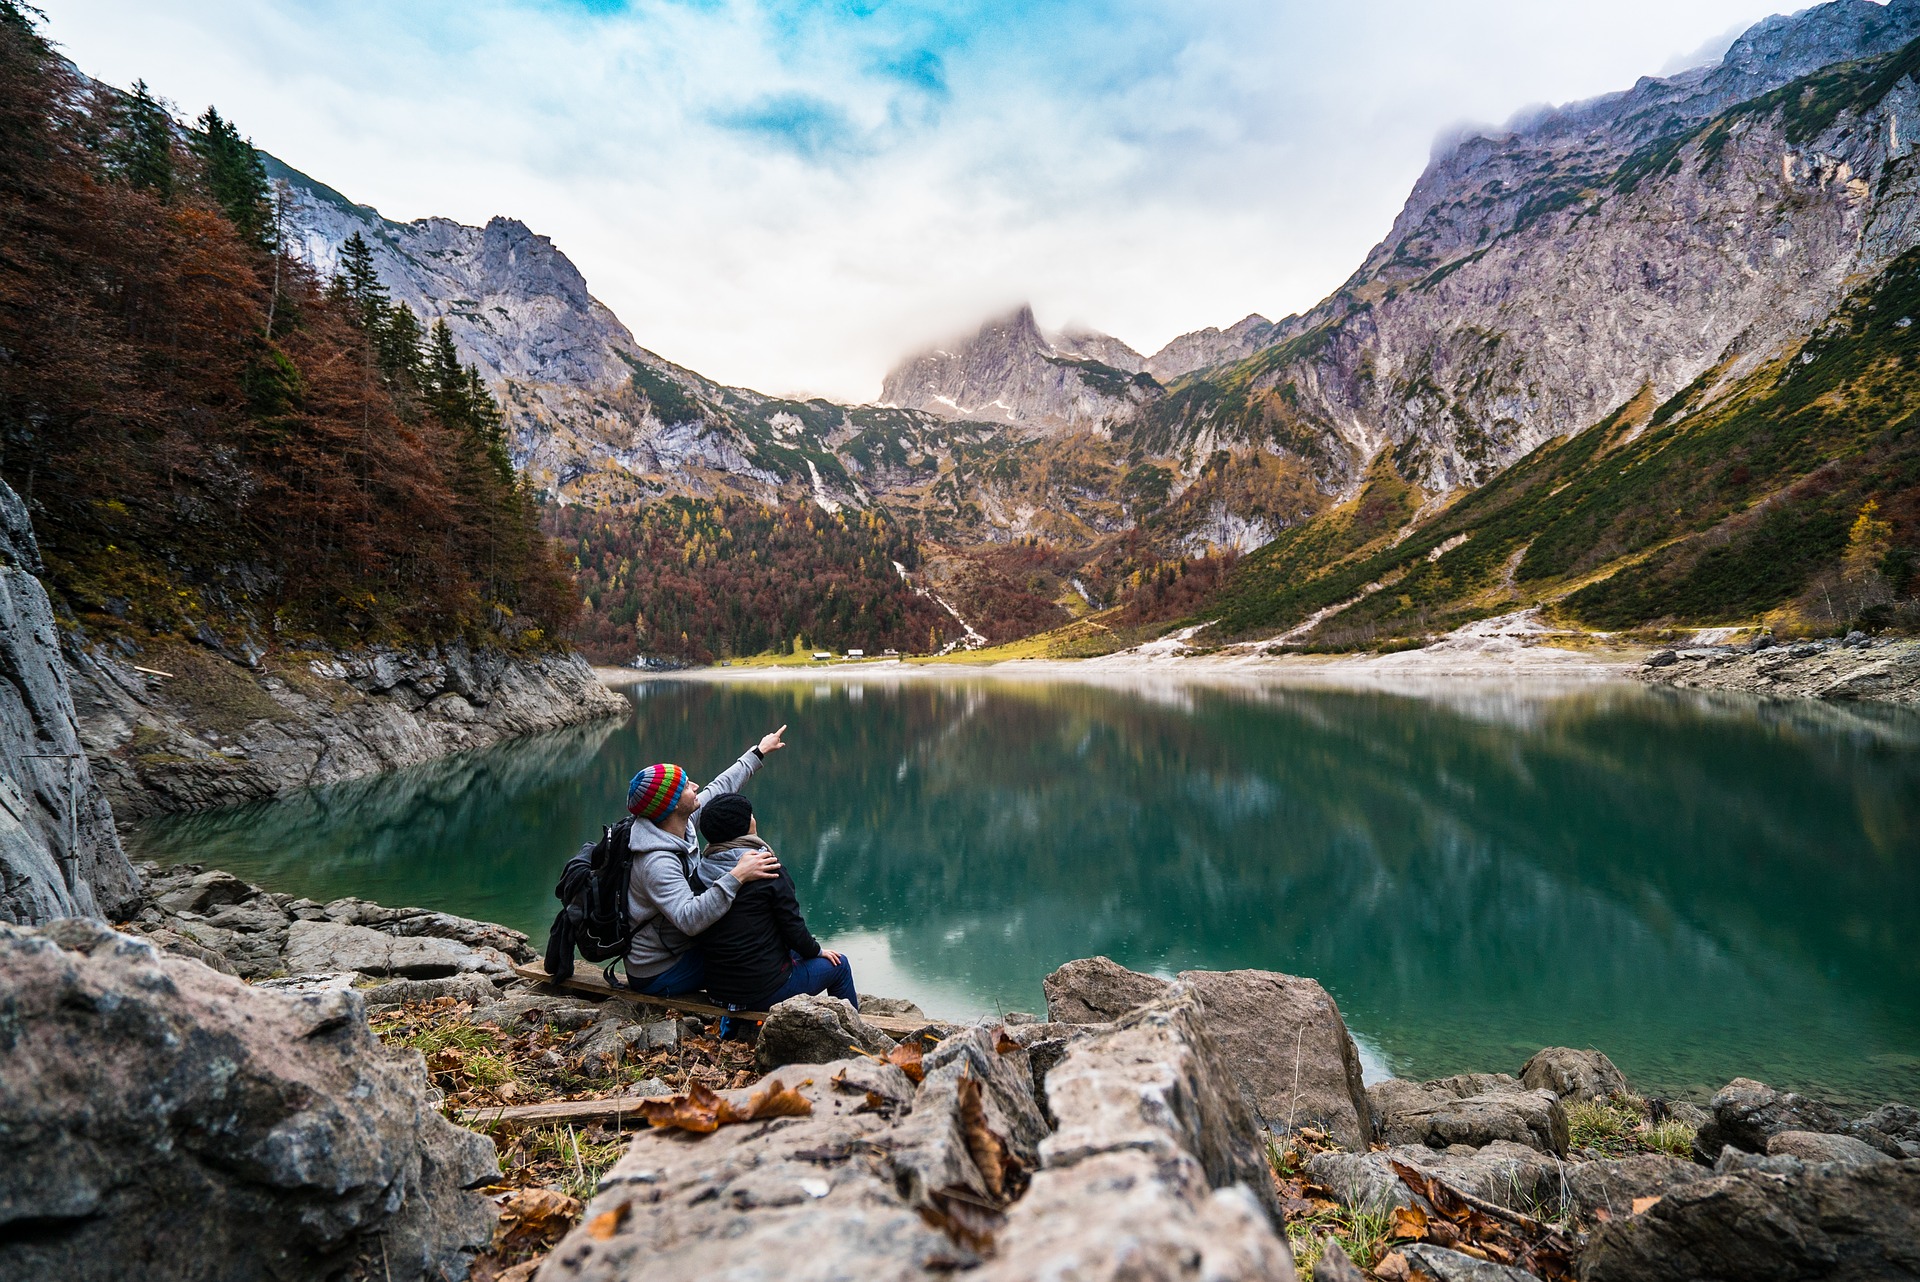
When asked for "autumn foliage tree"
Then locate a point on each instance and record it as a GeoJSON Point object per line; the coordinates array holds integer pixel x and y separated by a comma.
{"type": "Point", "coordinates": [698, 580]}
{"type": "Point", "coordinates": [206, 435]}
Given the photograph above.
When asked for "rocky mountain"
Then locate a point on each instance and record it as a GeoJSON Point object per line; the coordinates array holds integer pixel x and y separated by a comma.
{"type": "Point", "coordinates": [1208, 347]}
{"type": "Point", "coordinates": [1594, 258]}
{"type": "Point", "coordinates": [595, 417]}
{"type": "Point", "coordinates": [1010, 372]}
{"type": "Point", "coordinates": [1541, 276]}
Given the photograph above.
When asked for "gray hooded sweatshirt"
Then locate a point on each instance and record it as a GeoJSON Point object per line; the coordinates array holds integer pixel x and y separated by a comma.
{"type": "Point", "coordinates": [665, 911]}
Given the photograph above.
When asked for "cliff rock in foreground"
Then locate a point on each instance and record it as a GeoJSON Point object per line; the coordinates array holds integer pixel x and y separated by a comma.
{"type": "Point", "coordinates": [180, 1124]}
{"type": "Point", "coordinates": [59, 853]}
{"type": "Point", "coordinates": [212, 732]}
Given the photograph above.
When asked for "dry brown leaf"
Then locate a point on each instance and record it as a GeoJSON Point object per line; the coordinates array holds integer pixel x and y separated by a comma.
{"type": "Point", "coordinates": [607, 1223]}
{"type": "Point", "coordinates": [1393, 1267]}
{"type": "Point", "coordinates": [771, 1100]}
{"type": "Point", "coordinates": [997, 1165]}
{"type": "Point", "coordinates": [534, 1217]}
{"type": "Point", "coordinates": [906, 1057]}
{"type": "Point", "coordinates": [697, 1110]}
{"type": "Point", "coordinates": [1409, 1222]}
{"type": "Point", "coordinates": [1645, 1203]}
{"type": "Point", "coordinates": [1002, 1044]}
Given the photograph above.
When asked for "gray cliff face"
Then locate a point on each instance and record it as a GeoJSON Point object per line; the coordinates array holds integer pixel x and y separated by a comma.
{"type": "Point", "coordinates": [1207, 347]}
{"type": "Point", "coordinates": [1538, 280]}
{"type": "Point", "coordinates": [1010, 372]}
{"type": "Point", "coordinates": [215, 733]}
{"type": "Point", "coordinates": [60, 855]}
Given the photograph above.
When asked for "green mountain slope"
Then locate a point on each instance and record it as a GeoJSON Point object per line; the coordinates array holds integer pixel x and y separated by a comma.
{"type": "Point", "coordinates": [1791, 495]}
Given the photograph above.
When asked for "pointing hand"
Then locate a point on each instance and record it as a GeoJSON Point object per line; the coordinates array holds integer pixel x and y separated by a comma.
{"type": "Point", "coordinates": [773, 742]}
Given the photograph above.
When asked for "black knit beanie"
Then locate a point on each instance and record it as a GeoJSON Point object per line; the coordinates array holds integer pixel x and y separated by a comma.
{"type": "Point", "coordinates": [725, 818]}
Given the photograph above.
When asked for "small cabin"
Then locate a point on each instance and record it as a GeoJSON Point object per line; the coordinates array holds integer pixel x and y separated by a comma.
{"type": "Point", "coordinates": [821, 656]}
{"type": "Point", "coordinates": [856, 654]}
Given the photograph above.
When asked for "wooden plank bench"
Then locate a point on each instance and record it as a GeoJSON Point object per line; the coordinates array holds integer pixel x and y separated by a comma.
{"type": "Point", "coordinates": [588, 980]}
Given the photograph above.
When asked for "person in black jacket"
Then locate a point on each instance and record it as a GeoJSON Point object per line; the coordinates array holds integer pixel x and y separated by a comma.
{"type": "Point", "coordinates": [761, 952]}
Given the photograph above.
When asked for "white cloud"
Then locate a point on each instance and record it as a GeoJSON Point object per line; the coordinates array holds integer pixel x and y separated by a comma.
{"type": "Point", "coordinates": [791, 195]}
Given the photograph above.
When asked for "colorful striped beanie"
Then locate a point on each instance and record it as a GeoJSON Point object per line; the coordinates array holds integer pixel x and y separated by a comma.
{"type": "Point", "coordinates": [655, 791]}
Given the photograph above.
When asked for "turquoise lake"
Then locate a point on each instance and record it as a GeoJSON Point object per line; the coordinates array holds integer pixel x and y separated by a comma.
{"type": "Point", "coordinates": [1702, 888]}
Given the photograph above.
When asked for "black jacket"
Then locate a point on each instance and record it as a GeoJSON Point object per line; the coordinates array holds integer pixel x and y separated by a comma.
{"type": "Point", "coordinates": [747, 951]}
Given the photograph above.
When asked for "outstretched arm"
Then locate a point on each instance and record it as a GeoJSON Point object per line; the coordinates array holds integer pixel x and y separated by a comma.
{"type": "Point", "coordinates": [735, 776]}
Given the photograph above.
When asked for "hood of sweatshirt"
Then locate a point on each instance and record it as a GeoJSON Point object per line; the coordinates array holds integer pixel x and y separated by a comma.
{"type": "Point", "coordinates": [647, 836]}
{"type": "Point", "coordinates": [717, 861]}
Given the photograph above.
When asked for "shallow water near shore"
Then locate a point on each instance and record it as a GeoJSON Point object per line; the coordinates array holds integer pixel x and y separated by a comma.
{"type": "Point", "coordinates": [1701, 888]}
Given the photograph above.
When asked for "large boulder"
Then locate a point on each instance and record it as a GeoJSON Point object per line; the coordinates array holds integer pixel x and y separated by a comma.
{"type": "Point", "coordinates": [331, 945]}
{"type": "Point", "coordinates": [1474, 1109]}
{"type": "Point", "coordinates": [1513, 1175]}
{"type": "Point", "coordinates": [60, 855]}
{"type": "Point", "coordinates": [1811, 1146]}
{"type": "Point", "coordinates": [1153, 1174]}
{"type": "Point", "coordinates": [1772, 1219]}
{"type": "Point", "coordinates": [1281, 1035]}
{"type": "Point", "coordinates": [1097, 990]}
{"type": "Point", "coordinates": [160, 1120]}
{"type": "Point", "coordinates": [1613, 1185]}
{"type": "Point", "coordinates": [1746, 1113]}
{"type": "Point", "coordinates": [1572, 1075]}
{"type": "Point", "coordinates": [815, 1030]}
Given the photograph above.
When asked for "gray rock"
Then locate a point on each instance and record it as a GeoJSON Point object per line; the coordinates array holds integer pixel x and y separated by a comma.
{"type": "Point", "coordinates": [1046, 1045]}
{"type": "Point", "coordinates": [338, 981]}
{"type": "Point", "coordinates": [160, 1117]}
{"type": "Point", "coordinates": [1811, 1146]}
{"type": "Point", "coordinates": [475, 989]}
{"type": "Point", "coordinates": [1662, 659]}
{"type": "Point", "coordinates": [1774, 1218]}
{"type": "Point", "coordinates": [894, 1007]}
{"type": "Point", "coordinates": [1443, 1265]}
{"type": "Point", "coordinates": [600, 1051]}
{"type": "Point", "coordinates": [815, 1030]}
{"type": "Point", "coordinates": [60, 854]}
{"type": "Point", "coordinates": [1894, 1129]}
{"type": "Point", "coordinates": [202, 893]}
{"type": "Point", "coordinates": [521, 1007]}
{"type": "Point", "coordinates": [342, 717]}
{"type": "Point", "coordinates": [1097, 990]}
{"type": "Point", "coordinates": [415, 922]}
{"type": "Point", "coordinates": [1335, 1266]}
{"type": "Point", "coordinates": [1512, 1175]}
{"type": "Point", "coordinates": [1572, 1074]}
{"type": "Point", "coordinates": [1472, 1108]}
{"type": "Point", "coordinates": [885, 1181]}
{"type": "Point", "coordinates": [1273, 1029]}
{"type": "Point", "coordinates": [1746, 1113]}
{"type": "Point", "coordinates": [1611, 1185]}
{"type": "Point", "coordinates": [329, 945]}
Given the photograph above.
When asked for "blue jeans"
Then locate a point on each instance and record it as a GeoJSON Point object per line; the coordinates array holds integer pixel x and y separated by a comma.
{"type": "Point", "coordinates": [818, 975]}
{"type": "Point", "coordinates": [688, 975]}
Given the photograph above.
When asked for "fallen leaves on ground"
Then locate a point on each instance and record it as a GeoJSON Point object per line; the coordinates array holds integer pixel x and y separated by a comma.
{"type": "Point", "coordinates": [1475, 1228]}
{"type": "Point", "coordinates": [534, 1218]}
{"type": "Point", "coordinates": [704, 1111]}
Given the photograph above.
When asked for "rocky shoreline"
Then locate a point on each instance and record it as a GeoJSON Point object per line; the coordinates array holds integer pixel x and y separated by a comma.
{"type": "Point", "coordinates": [188, 729]}
{"type": "Point", "coordinates": [1849, 669]}
{"type": "Point", "coordinates": [1214, 1125]}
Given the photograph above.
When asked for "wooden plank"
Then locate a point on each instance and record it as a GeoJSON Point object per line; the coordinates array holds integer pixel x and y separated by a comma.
{"type": "Point", "coordinates": [590, 981]}
{"type": "Point", "coordinates": [557, 1112]}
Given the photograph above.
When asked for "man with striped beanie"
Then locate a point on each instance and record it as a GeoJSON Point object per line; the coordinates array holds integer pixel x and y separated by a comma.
{"type": "Point", "coordinates": [666, 912]}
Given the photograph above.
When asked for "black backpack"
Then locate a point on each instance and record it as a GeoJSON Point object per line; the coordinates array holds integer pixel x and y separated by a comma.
{"type": "Point", "coordinates": [593, 896]}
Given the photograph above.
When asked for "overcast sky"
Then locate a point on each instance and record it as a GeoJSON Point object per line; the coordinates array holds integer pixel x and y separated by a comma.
{"type": "Point", "coordinates": [791, 196]}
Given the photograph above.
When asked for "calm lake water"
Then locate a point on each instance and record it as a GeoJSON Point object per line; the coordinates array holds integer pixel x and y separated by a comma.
{"type": "Point", "coordinates": [1702, 889]}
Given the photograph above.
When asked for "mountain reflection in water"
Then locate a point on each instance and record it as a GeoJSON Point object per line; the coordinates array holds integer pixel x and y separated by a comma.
{"type": "Point", "coordinates": [1702, 889]}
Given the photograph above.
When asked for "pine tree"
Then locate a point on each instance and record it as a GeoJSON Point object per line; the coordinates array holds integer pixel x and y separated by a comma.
{"type": "Point", "coordinates": [142, 154]}
{"type": "Point", "coordinates": [236, 178]}
{"type": "Point", "coordinates": [358, 284]}
{"type": "Point", "coordinates": [446, 380]}
{"type": "Point", "coordinates": [396, 341]}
